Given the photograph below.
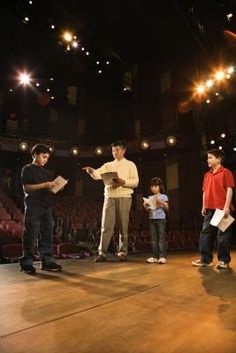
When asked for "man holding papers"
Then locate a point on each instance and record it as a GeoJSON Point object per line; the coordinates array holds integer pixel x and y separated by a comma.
{"type": "Point", "coordinates": [117, 202]}
{"type": "Point", "coordinates": [218, 187]}
{"type": "Point", "coordinates": [38, 225]}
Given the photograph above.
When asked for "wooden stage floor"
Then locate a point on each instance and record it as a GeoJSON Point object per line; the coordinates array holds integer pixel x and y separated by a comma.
{"type": "Point", "coordinates": [116, 307]}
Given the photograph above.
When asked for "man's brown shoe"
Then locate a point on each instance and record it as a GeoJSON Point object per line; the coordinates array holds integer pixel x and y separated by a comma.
{"type": "Point", "coordinates": [100, 258]}
{"type": "Point", "coordinates": [122, 258]}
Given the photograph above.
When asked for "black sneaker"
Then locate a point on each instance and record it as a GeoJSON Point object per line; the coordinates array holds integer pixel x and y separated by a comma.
{"type": "Point", "coordinates": [51, 267]}
{"type": "Point", "coordinates": [29, 269]}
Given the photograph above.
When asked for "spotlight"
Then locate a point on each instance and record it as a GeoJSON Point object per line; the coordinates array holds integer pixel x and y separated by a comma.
{"type": "Point", "coordinates": [217, 93]}
{"type": "Point", "coordinates": [108, 62]}
{"type": "Point", "coordinates": [52, 26]}
{"type": "Point", "coordinates": [74, 151]}
{"type": "Point", "coordinates": [227, 76]}
{"type": "Point", "coordinates": [144, 145]}
{"type": "Point", "coordinates": [100, 71]}
{"type": "Point", "coordinates": [23, 146]}
{"type": "Point", "coordinates": [171, 141]}
{"type": "Point", "coordinates": [230, 70]}
{"type": "Point", "coordinates": [67, 37]}
{"type": "Point", "coordinates": [11, 90]}
{"type": "Point", "coordinates": [209, 83]}
{"type": "Point", "coordinates": [208, 101]}
{"type": "Point", "coordinates": [219, 75]}
{"type": "Point", "coordinates": [83, 48]}
{"type": "Point", "coordinates": [220, 147]}
{"type": "Point", "coordinates": [68, 48]}
{"type": "Point", "coordinates": [75, 44]}
{"type": "Point", "coordinates": [26, 19]}
{"type": "Point", "coordinates": [229, 16]}
{"type": "Point", "coordinates": [99, 151]}
{"type": "Point", "coordinates": [37, 84]}
{"type": "Point", "coordinates": [200, 89]}
{"type": "Point", "coordinates": [51, 79]}
{"type": "Point", "coordinates": [52, 97]}
{"type": "Point", "coordinates": [48, 89]}
{"type": "Point", "coordinates": [87, 53]}
{"type": "Point", "coordinates": [222, 135]}
{"type": "Point", "coordinates": [234, 149]}
{"type": "Point", "coordinates": [97, 62]}
{"type": "Point", "coordinates": [24, 78]}
{"type": "Point", "coordinates": [51, 149]}
{"type": "Point", "coordinates": [212, 142]}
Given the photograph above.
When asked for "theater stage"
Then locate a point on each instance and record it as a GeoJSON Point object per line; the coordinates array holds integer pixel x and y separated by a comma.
{"type": "Point", "coordinates": [119, 307]}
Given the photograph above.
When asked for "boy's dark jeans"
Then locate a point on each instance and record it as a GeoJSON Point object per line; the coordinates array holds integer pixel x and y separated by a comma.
{"type": "Point", "coordinates": [207, 239]}
{"type": "Point", "coordinates": [38, 226]}
{"type": "Point", "coordinates": [158, 236]}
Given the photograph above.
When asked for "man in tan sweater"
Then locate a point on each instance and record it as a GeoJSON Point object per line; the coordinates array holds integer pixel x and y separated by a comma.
{"type": "Point", "coordinates": [117, 201]}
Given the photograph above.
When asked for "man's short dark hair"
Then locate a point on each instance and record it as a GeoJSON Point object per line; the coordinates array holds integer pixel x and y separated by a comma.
{"type": "Point", "coordinates": [217, 153]}
{"type": "Point", "coordinates": [120, 143]}
{"type": "Point", "coordinates": [40, 148]}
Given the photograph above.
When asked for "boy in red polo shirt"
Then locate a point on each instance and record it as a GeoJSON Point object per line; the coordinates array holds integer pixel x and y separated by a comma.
{"type": "Point", "coordinates": [218, 187]}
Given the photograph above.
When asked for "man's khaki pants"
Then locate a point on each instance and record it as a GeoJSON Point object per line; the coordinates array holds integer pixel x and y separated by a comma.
{"type": "Point", "coordinates": [115, 211]}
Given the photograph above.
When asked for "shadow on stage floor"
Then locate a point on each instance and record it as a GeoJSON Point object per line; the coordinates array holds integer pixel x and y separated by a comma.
{"type": "Point", "coordinates": [119, 307]}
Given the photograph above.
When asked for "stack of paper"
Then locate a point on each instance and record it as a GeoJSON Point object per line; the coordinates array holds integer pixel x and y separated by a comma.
{"type": "Point", "coordinates": [218, 220]}
{"type": "Point", "coordinates": [108, 177]}
{"type": "Point", "coordinates": [151, 201]}
{"type": "Point", "coordinates": [60, 183]}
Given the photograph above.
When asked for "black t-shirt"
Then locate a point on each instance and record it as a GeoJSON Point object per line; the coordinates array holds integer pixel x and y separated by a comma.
{"type": "Point", "coordinates": [34, 174]}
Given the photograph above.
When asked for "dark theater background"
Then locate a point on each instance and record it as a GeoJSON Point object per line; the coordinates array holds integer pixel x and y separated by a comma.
{"type": "Point", "coordinates": [128, 71]}
{"type": "Point", "coordinates": [78, 74]}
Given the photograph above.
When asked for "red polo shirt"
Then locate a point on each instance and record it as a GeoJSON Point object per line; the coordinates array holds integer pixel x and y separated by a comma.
{"type": "Point", "coordinates": [215, 186]}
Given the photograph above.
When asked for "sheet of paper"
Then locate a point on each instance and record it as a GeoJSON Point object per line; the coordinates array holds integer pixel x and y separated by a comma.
{"type": "Point", "coordinates": [218, 220]}
{"type": "Point", "coordinates": [152, 202]}
{"type": "Point", "coordinates": [107, 177]}
{"type": "Point", "coordinates": [60, 183]}
{"type": "Point", "coordinates": [225, 223]}
{"type": "Point", "coordinates": [217, 217]}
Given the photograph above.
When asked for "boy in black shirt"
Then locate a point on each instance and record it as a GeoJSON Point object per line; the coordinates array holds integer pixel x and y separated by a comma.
{"type": "Point", "coordinates": [38, 224]}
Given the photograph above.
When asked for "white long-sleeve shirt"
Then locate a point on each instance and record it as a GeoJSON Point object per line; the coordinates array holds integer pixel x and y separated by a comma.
{"type": "Point", "coordinates": [126, 170]}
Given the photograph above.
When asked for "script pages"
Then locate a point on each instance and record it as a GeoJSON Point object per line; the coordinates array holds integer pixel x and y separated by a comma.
{"type": "Point", "coordinates": [151, 201]}
{"type": "Point", "coordinates": [108, 177]}
{"type": "Point", "coordinates": [60, 183]}
{"type": "Point", "coordinates": [218, 220]}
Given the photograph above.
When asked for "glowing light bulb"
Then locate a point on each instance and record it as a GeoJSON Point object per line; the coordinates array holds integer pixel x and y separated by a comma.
{"type": "Point", "coordinates": [24, 78]}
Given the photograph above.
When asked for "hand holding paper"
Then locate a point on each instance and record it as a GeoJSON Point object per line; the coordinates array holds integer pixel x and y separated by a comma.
{"type": "Point", "coordinates": [151, 201]}
{"type": "Point", "coordinates": [108, 177]}
{"type": "Point", "coordinates": [118, 182]}
{"type": "Point", "coordinates": [219, 220]}
{"type": "Point", "coordinates": [59, 182]}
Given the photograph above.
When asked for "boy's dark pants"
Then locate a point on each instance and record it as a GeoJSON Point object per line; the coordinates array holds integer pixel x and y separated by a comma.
{"type": "Point", "coordinates": [38, 226]}
{"type": "Point", "coordinates": [207, 239]}
{"type": "Point", "coordinates": [158, 236]}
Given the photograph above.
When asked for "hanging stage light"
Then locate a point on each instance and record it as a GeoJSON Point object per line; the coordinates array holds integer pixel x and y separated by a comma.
{"type": "Point", "coordinates": [144, 144]}
{"type": "Point", "coordinates": [99, 151]}
{"type": "Point", "coordinates": [75, 151]}
{"type": "Point", "coordinates": [23, 146]}
{"type": "Point", "coordinates": [171, 141]}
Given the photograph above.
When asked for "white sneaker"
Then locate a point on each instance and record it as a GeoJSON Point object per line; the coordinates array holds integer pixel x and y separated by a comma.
{"type": "Point", "coordinates": [162, 260]}
{"type": "Point", "coordinates": [151, 260]}
{"type": "Point", "coordinates": [200, 263]}
{"type": "Point", "coordinates": [223, 265]}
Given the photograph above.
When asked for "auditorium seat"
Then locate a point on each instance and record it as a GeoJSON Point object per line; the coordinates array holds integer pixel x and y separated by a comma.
{"type": "Point", "coordinates": [67, 250]}
{"type": "Point", "coordinates": [11, 252]}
